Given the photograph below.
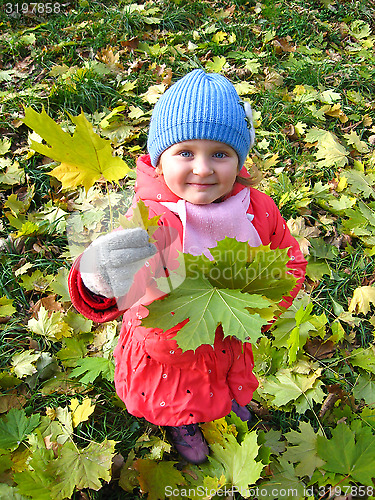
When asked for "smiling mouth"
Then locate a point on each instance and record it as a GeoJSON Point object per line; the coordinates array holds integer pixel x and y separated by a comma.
{"type": "Point", "coordinates": [197, 184]}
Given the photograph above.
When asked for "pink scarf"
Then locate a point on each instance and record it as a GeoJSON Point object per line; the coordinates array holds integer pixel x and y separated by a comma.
{"type": "Point", "coordinates": [205, 225]}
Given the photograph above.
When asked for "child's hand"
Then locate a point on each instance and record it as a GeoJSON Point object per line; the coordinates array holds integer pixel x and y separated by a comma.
{"type": "Point", "coordinates": [109, 264]}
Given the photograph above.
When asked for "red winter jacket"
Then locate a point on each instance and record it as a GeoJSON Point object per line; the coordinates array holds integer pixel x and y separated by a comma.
{"type": "Point", "coordinates": [153, 377]}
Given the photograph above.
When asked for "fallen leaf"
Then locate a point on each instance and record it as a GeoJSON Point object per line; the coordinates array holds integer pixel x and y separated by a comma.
{"type": "Point", "coordinates": [319, 349]}
{"type": "Point", "coordinates": [23, 363]}
{"type": "Point", "coordinates": [84, 156]}
{"type": "Point", "coordinates": [283, 45]}
{"type": "Point", "coordinates": [81, 412]}
{"type": "Point", "coordinates": [362, 298]}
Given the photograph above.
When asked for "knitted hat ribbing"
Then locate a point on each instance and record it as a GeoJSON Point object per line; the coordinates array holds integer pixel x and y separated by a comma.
{"type": "Point", "coordinates": [200, 106]}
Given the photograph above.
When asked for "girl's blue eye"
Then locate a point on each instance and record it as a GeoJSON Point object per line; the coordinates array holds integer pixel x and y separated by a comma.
{"type": "Point", "coordinates": [220, 155]}
{"type": "Point", "coordinates": [185, 154]}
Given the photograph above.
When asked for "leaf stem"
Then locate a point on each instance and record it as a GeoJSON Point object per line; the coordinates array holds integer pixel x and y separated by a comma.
{"type": "Point", "coordinates": [316, 416]}
{"type": "Point", "coordinates": [109, 205]}
{"type": "Point", "coordinates": [341, 480]}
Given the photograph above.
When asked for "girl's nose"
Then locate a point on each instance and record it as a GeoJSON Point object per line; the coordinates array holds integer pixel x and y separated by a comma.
{"type": "Point", "coordinates": [202, 167]}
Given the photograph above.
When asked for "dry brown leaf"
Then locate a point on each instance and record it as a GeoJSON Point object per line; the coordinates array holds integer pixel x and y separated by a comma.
{"type": "Point", "coordinates": [8, 401]}
{"type": "Point", "coordinates": [131, 44]}
{"type": "Point", "coordinates": [282, 45]}
{"type": "Point", "coordinates": [110, 58]}
{"type": "Point", "coordinates": [319, 349]}
{"type": "Point", "coordinates": [48, 303]}
{"type": "Point", "coordinates": [302, 233]}
{"type": "Point", "coordinates": [335, 393]}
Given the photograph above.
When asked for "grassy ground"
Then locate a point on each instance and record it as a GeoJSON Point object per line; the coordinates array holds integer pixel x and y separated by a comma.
{"type": "Point", "coordinates": [303, 65]}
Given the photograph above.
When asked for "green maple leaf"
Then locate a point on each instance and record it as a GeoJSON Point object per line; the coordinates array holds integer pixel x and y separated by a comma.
{"type": "Point", "coordinates": [5, 461]}
{"type": "Point", "coordinates": [338, 205]}
{"type": "Point", "coordinates": [331, 153]}
{"type": "Point", "coordinates": [81, 468]}
{"type": "Point", "coordinates": [79, 323]}
{"type": "Point", "coordinates": [293, 327]}
{"type": "Point", "coordinates": [238, 289]}
{"type": "Point", "coordinates": [59, 285]}
{"type": "Point", "coordinates": [217, 64]}
{"type": "Point", "coordinates": [37, 281]}
{"type": "Point", "coordinates": [304, 450]}
{"type": "Point", "coordinates": [10, 493]}
{"type": "Point", "coordinates": [360, 183]}
{"type": "Point", "coordinates": [84, 156]}
{"type": "Point", "coordinates": [284, 479]}
{"type": "Point", "coordinates": [299, 388]}
{"type": "Point", "coordinates": [92, 368]}
{"type": "Point", "coordinates": [74, 350]}
{"type": "Point", "coordinates": [11, 173]}
{"type": "Point", "coordinates": [364, 358]}
{"type": "Point", "coordinates": [57, 430]}
{"type": "Point", "coordinates": [15, 427]}
{"type": "Point", "coordinates": [238, 460]}
{"type": "Point", "coordinates": [350, 452]}
{"type": "Point", "coordinates": [207, 307]}
{"type": "Point", "coordinates": [267, 273]}
{"type": "Point", "coordinates": [353, 139]}
{"type": "Point", "coordinates": [368, 416]}
{"type": "Point", "coordinates": [270, 441]}
{"type": "Point", "coordinates": [236, 265]}
{"type": "Point", "coordinates": [365, 389]}
{"type": "Point", "coordinates": [154, 477]}
{"type": "Point", "coordinates": [299, 335]}
{"type": "Point", "coordinates": [35, 481]}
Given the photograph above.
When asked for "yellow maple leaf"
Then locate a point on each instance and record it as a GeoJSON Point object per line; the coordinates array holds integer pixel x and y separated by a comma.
{"type": "Point", "coordinates": [335, 111]}
{"type": "Point", "coordinates": [330, 152]}
{"type": "Point", "coordinates": [271, 161]}
{"type": "Point", "coordinates": [51, 413]}
{"type": "Point", "coordinates": [362, 297]}
{"type": "Point", "coordinates": [81, 412]}
{"type": "Point", "coordinates": [50, 325]}
{"type": "Point", "coordinates": [140, 219]}
{"type": "Point", "coordinates": [217, 64]}
{"type": "Point", "coordinates": [216, 431]}
{"type": "Point", "coordinates": [153, 93]}
{"type": "Point", "coordinates": [84, 156]}
{"type": "Point", "coordinates": [219, 36]}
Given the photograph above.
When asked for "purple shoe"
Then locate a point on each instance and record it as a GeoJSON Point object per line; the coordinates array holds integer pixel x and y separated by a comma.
{"type": "Point", "coordinates": [241, 411]}
{"type": "Point", "coordinates": [189, 442]}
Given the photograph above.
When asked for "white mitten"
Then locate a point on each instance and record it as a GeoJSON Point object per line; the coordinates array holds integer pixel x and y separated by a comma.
{"type": "Point", "coordinates": [109, 264]}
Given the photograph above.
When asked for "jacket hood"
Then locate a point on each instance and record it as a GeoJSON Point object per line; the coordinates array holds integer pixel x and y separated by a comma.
{"type": "Point", "coordinates": [151, 186]}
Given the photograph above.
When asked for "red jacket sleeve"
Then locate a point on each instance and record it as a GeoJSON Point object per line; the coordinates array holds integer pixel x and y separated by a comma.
{"type": "Point", "coordinates": [144, 289]}
{"type": "Point", "coordinates": [92, 306]}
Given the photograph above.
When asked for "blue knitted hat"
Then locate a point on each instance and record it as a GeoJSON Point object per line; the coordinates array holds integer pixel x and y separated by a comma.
{"type": "Point", "coordinates": [200, 106]}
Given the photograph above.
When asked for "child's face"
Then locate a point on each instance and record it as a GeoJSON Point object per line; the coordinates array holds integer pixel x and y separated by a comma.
{"type": "Point", "coordinates": [199, 171]}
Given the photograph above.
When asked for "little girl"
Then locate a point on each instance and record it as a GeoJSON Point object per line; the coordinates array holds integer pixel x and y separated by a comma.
{"type": "Point", "coordinates": [194, 179]}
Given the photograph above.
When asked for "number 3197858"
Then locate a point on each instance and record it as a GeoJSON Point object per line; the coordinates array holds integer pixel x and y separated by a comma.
{"type": "Point", "coordinates": [32, 8]}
